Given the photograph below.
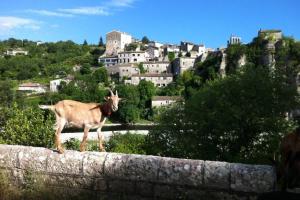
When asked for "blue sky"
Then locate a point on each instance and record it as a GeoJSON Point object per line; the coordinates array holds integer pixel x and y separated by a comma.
{"type": "Point", "coordinates": [168, 21]}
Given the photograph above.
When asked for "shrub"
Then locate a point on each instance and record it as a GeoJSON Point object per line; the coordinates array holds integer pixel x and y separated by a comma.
{"type": "Point", "coordinates": [28, 126]}
{"type": "Point", "coordinates": [127, 143]}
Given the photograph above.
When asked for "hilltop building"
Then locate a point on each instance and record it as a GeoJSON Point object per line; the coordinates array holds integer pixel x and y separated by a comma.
{"type": "Point", "coordinates": [116, 41]}
{"type": "Point", "coordinates": [234, 40]}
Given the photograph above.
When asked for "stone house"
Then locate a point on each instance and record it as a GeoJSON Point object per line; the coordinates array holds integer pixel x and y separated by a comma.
{"type": "Point", "coordinates": [182, 64]}
{"type": "Point", "coordinates": [55, 84]}
{"type": "Point", "coordinates": [159, 80]}
{"type": "Point", "coordinates": [116, 41]}
{"type": "Point", "coordinates": [123, 70]}
{"type": "Point", "coordinates": [157, 67]}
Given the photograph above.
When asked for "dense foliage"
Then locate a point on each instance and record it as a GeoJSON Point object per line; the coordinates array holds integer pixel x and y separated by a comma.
{"type": "Point", "coordinates": [27, 126]}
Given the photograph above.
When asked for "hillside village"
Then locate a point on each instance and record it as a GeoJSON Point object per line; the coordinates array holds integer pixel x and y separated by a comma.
{"type": "Point", "coordinates": [128, 60]}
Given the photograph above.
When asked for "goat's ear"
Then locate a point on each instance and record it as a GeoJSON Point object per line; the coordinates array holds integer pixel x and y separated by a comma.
{"type": "Point", "coordinates": [106, 98]}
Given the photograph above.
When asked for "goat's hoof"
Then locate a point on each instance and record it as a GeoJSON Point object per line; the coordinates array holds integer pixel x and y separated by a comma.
{"type": "Point", "coordinates": [81, 150]}
{"type": "Point", "coordinates": [61, 150]}
{"type": "Point", "coordinates": [102, 150]}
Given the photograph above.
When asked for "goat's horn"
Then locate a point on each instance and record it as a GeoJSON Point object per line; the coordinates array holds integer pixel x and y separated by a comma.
{"type": "Point", "coordinates": [116, 93]}
{"type": "Point", "coordinates": [111, 92]}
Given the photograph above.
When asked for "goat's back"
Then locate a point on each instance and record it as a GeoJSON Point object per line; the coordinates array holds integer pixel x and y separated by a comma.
{"type": "Point", "coordinates": [77, 112]}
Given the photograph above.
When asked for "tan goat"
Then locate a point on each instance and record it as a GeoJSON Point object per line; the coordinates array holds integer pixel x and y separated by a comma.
{"type": "Point", "coordinates": [82, 115]}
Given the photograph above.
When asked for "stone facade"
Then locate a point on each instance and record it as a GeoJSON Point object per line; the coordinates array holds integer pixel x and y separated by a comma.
{"type": "Point", "coordinates": [100, 175]}
{"type": "Point", "coordinates": [116, 41]}
{"type": "Point", "coordinates": [123, 70]}
{"type": "Point", "coordinates": [182, 64]}
{"type": "Point", "coordinates": [157, 67]}
{"type": "Point", "coordinates": [159, 80]}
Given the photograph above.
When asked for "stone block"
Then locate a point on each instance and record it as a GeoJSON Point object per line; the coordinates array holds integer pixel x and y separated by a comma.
{"type": "Point", "coordinates": [142, 168]}
{"type": "Point", "coordinates": [9, 155]}
{"type": "Point", "coordinates": [181, 171]}
{"type": "Point", "coordinates": [70, 162]}
{"type": "Point", "coordinates": [115, 165]}
{"type": "Point", "coordinates": [34, 159]}
{"type": "Point", "coordinates": [252, 178]}
{"type": "Point", "coordinates": [93, 164]}
{"type": "Point", "coordinates": [216, 175]}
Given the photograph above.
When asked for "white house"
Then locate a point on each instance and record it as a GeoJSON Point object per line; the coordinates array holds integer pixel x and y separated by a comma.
{"type": "Point", "coordinates": [158, 101]}
{"type": "Point", "coordinates": [159, 80]}
{"type": "Point", "coordinates": [14, 52]}
{"type": "Point", "coordinates": [132, 57]}
{"type": "Point", "coordinates": [108, 60]}
{"type": "Point", "coordinates": [33, 88]}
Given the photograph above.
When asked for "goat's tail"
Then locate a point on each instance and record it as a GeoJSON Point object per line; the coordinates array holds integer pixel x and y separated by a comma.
{"type": "Point", "coordinates": [47, 107]}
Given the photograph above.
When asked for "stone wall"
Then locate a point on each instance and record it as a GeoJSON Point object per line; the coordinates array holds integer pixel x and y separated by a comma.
{"type": "Point", "coordinates": [102, 175]}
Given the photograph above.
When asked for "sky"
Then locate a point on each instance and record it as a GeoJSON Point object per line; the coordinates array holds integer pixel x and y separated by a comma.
{"type": "Point", "coordinates": [208, 22]}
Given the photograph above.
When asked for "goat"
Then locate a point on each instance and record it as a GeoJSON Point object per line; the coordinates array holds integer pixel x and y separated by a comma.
{"type": "Point", "coordinates": [82, 115]}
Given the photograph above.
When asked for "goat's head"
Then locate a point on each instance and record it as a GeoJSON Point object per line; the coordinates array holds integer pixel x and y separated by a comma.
{"type": "Point", "coordinates": [113, 100]}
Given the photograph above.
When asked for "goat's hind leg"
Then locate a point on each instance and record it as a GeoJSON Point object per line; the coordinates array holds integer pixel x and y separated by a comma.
{"type": "Point", "coordinates": [100, 138]}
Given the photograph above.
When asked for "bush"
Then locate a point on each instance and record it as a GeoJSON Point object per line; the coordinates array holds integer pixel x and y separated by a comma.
{"type": "Point", "coordinates": [127, 143]}
{"type": "Point", "coordinates": [29, 126]}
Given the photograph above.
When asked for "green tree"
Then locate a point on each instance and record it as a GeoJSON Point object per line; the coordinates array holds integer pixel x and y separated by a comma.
{"type": "Point", "coordinates": [171, 56]}
{"type": "Point", "coordinates": [85, 69]}
{"type": "Point", "coordinates": [141, 68]}
{"type": "Point", "coordinates": [7, 94]}
{"type": "Point", "coordinates": [85, 43]}
{"type": "Point", "coordinates": [145, 40]}
{"type": "Point", "coordinates": [129, 113]}
{"type": "Point", "coordinates": [101, 44]}
{"type": "Point", "coordinates": [131, 47]}
{"type": "Point", "coordinates": [28, 126]}
{"type": "Point", "coordinates": [101, 75]}
{"type": "Point", "coordinates": [237, 119]}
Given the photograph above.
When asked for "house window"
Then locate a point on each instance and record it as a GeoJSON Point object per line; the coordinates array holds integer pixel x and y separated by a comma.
{"type": "Point", "coordinates": [133, 54]}
{"type": "Point", "coordinates": [128, 60]}
{"type": "Point", "coordinates": [138, 54]}
{"type": "Point", "coordinates": [135, 60]}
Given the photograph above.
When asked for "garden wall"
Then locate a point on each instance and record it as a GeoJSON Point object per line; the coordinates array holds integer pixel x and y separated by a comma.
{"type": "Point", "coordinates": [99, 175]}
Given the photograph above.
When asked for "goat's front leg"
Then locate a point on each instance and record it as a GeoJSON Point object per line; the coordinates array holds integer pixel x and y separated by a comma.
{"type": "Point", "coordinates": [83, 142]}
{"type": "Point", "coordinates": [100, 138]}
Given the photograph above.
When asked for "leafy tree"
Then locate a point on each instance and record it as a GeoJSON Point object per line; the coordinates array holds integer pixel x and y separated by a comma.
{"type": "Point", "coordinates": [237, 119]}
{"type": "Point", "coordinates": [171, 56]}
{"type": "Point", "coordinates": [131, 47]}
{"type": "Point", "coordinates": [29, 126]}
{"type": "Point", "coordinates": [129, 113]}
{"type": "Point", "coordinates": [145, 40]}
{"type": "Point", "coordinates": [233, 54]}
{"type": "Point", "coordinates": [7, 94]}
{"type": "Point", "coordinates": [101, 75]}
{"type": "Point", "coordinates": [141, 68]}
{"type": "Point", "coordinates": [85, 69]}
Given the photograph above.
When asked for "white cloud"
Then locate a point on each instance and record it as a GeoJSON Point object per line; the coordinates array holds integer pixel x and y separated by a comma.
{"type": "Point", "coordinates": [97, 10]}
{"type": "Point", "coordinates": [50, 13]}
{"type": "Point", "coordinates": [10, 23]}
{"type": "Point", "coordinates": [121, 3]}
